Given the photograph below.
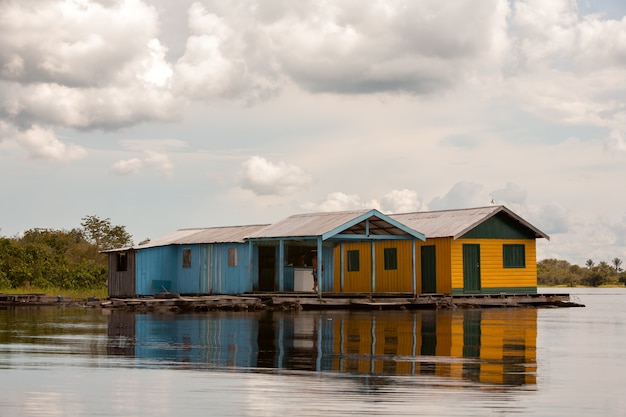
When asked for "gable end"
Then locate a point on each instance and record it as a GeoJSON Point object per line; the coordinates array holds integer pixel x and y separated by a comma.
{"type": "Point", "coordinates": [500, 226]}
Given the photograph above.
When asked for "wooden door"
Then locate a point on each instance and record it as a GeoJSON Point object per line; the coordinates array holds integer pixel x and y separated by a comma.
{"type": "Point", "coordinates": [429, 269]}
{"type": "Point", "coordinates": [471, 268]}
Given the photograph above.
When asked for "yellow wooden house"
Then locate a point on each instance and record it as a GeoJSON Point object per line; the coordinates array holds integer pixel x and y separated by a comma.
{"type": "Point", "coordinates": [485, 250]}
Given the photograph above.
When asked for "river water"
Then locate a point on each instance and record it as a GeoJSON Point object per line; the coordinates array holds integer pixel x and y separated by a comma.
{"type": "Point", "coordinates": [479, 362]}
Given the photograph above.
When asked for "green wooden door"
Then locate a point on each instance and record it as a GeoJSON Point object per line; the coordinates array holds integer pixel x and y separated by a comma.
{"type": "Point", "coordinates": [429, 269]}
{"type": "Point", "coordinates": [471, 268]}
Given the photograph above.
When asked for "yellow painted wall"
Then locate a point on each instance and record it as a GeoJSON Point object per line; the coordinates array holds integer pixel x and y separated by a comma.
{"type": "Point", "coordinates": [395, 280]}
{"type": "Point", "coordinates": [492, 272]}
{"type": "Point", "coordinates": [398, 280]}
{"type": "Point", "coordinates": [358, 281]}
{"type": "Point", "coordinates": [444, 271]}
{"type": "Point", "coordinates": [449, 259]}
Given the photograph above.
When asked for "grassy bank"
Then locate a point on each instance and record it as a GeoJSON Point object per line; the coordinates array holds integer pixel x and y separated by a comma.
{"type": "Point", "coordinates": [76, 295]}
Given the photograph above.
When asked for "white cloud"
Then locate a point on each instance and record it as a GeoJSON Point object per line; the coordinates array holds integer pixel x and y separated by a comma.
{"type": "Point", "coordinates": [512, 194]}
{"type": "Point", "coordinates": [396, 201]}
{"type": "Point", "coordinates": [462, 195]}
{"type": "Point", "coordinates": [83, 64]}
{"type": "Point", "coordinates": [156, 70]}
{"type": "Point", "coordinates": [400, 201]}
{"type": "Point", "coordinates": [128, 166]}
{"type": "Point", "coordinates": [219, 60]}
{"type": "Point", "coordinates": [567, 67]}
{"type": "Point", "coordinates": [551, 218]}
{"type": "Point", "coordinates": [338, 201]}
{"type": "Point", "coordinates": [43, 143]}
{"type": "Point", "coordinates": [75, 43]}
{"type": "Point", "coordinates": [616, 142]}
{"type": "Point", "coordinates": [263, 177]}
{"type": "Point", "coordinates": [157, 160]}
{"type": "Point", "coordinates": [415, 47]}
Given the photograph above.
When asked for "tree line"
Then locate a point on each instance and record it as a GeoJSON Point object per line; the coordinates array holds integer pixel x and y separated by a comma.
{"type": "Point", "coordinates": [555, 272]}
{"type": "Point", "coordinates": [67, 259]}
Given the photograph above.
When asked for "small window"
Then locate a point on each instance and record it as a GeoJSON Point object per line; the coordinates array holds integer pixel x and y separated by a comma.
{"type": "Point", "coordinates": [232, 256]}
{"type": "Point", "coordinates": [391, 258]}
{"type": "Point", "coordinates": [514, 256]}
{"type": "Point", "coordinates": [122, 262]}
{"type": "Point", "coordinates": [353, 261]}
{"type": "Point", "coordinates": [186, 258]}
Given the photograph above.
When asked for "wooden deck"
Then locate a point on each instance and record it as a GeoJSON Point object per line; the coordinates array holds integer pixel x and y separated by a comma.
{"type": "Point", "coordinates": [329, 301]}
{"type": "Point", "coordinates": [423, 301]}
{"type": "Point", "coordinates": [301, 301]}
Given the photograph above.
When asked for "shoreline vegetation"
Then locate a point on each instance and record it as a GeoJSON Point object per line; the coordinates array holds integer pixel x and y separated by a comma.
{"type": "Point", "coordinates": [67, 263]}
{"type": "Point", "coordinates": [70, 263]}
{"type": "Point", "coordinates": [66, 294]}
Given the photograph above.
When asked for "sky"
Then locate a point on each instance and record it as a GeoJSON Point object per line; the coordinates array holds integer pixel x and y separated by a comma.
{"type": "Point", "coordinates": [163, 115]}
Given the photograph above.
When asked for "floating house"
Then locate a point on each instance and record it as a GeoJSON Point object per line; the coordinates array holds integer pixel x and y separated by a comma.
{"type": "Point", "coordinates": [487, 250]}
{"type": "Point", "coordinates": [214, 260]}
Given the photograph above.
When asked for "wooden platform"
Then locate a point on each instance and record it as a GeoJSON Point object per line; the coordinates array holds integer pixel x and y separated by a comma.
{"type": "Point", "coordinates": [328, 301]}
{"type": "Point", "coordinates": [174, 302]}
{"type": "Point", "coordinates": [299, 301]}
{"type": "Point", "coordinates": [430, 301]}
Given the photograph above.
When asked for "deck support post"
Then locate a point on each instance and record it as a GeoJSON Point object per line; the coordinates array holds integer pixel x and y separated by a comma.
{"type": "Point", "coordinates": [373, 247]}
{"type": "Point", "coordinates": [320, 266]}
{"type": "Point", "coordinates": [281, 265]}
{"type": "Point", "coordinates": [342, 275]}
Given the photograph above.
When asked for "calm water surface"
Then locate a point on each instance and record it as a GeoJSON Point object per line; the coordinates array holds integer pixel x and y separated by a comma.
{"type": "Point", "coordinates": [530, 362]}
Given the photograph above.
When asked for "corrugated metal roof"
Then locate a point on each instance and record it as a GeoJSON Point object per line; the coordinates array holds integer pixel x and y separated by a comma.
{"type": "Point", "coordinates": [327, 224]}
{"type": "Point", "coordinates": [228, 234]}
{"type": "Point", "coordinates": [310, 224]}
{"type": "Point", "coordinates": [454, 223]}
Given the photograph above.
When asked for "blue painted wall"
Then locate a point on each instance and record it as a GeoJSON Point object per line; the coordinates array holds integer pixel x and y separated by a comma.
{"type": "Point", "coordinates": [191, 279]}
{"type": "Point", "coordinates": [224, 279]}
{"type": "Point", "coordinates": [156, 270]}
{"type": "Point", "coordinates": [161, 269]}
{"type": "Point", "coordinates": [328, 280]}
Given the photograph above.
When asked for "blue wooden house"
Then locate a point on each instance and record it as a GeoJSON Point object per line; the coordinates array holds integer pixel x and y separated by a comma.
{"type": "Point", "coordinates": [215, 260]}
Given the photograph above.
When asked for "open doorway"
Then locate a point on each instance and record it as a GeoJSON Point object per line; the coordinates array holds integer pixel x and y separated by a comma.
{"type": "Point", "coordinates": [267, 268]}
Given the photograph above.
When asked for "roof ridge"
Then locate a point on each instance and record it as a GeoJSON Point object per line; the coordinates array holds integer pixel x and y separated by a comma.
{"type": "Point", "coordinates": [448, 210]}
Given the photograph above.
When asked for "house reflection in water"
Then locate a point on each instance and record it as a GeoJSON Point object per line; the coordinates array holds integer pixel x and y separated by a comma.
{"type": "Point", "coordinates": [489, 346]}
